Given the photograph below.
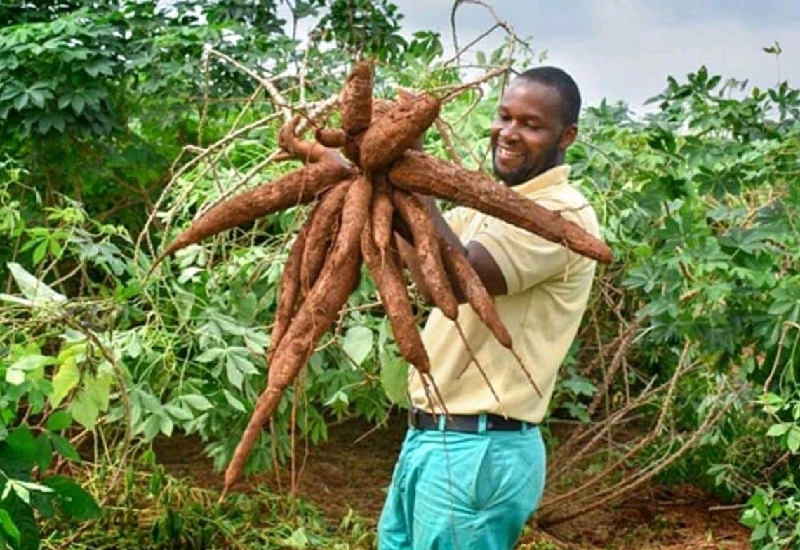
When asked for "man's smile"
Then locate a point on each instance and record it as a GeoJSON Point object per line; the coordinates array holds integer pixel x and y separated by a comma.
{"type": "Point", "coordinates": [508, 156]}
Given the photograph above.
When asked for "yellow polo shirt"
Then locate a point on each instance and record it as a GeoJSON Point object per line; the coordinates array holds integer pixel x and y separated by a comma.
{"type": "Point", "coordinates": [548, 289]}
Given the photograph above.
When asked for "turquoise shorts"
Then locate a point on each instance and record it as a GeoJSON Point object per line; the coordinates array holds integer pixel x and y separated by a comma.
{"type": "Point", "coordinates": [463, 491]}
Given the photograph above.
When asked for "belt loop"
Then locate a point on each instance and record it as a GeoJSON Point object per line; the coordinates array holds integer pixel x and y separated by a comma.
{"type": "Point", "coordinates": [441, 419]}
{"type": "Point", "coordinates": [482, 423]}
{"type": "Point", "coordinates": [524, 427]}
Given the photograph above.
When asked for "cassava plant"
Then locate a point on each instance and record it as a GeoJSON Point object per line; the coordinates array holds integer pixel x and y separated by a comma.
{"type": "Point", "coordinates": [377, 142]}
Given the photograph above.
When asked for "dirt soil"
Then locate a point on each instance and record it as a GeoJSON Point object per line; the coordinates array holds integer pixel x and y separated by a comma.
{"type": "Point", "coordinates": [353, 468]}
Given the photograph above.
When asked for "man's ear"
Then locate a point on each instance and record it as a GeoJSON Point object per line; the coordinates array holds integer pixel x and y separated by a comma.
{"type": "Point", "coordinates": [568, 137]}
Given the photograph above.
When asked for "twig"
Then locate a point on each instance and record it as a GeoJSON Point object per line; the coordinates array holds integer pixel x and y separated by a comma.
{"type": "Point", "coordinates": [786, 326]}
{"type": "Point", "coordinates": [453, 91]}
{"type": "Point", "coordinates": [635, 480]}
{"type": "Point", "coordinates": [447, 138]}
{"type": "Point", "coordinates": [277, 97]}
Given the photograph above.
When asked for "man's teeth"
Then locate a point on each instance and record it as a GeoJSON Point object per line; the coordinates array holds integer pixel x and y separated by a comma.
{"type": "Point", "coordinates": [508, 153]}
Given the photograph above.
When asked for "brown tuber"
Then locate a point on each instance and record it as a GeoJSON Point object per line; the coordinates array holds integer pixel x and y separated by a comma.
{"type": "Point", "coordinates": [353, 220]}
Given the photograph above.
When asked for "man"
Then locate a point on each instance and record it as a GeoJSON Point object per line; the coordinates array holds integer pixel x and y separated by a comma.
{"type": "Point", "coordinates": [471, 480]}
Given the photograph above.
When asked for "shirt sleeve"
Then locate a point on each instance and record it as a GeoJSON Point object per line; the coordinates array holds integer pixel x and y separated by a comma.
{"type": "Point", "coordinates": [457, 218]}
{"type": "Point", "coordinates": [525, 259]}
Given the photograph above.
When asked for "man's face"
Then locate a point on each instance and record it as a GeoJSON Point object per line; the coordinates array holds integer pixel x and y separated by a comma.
{"type": "Point", "coordinates": [528, 136]}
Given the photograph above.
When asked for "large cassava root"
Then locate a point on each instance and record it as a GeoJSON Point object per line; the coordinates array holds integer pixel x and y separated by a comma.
{"type": "Point", "coordinates": [295, 188]}
{"type": "Point", "coordinates": [472, 189]}
{"type": "Point", "coordinates": [353, 219]}
{"type": "Point", "coordinates": [315, 315]}
{"type": "Point", "coordinates": [426, 242]}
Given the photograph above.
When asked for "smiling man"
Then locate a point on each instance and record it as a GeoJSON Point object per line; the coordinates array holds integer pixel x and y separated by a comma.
{"type": "Point", "coordinates": [472, 479]}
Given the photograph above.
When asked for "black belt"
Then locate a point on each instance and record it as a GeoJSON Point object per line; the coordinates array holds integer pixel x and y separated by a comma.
{"type": "Point", "coordinates": [422, 420]}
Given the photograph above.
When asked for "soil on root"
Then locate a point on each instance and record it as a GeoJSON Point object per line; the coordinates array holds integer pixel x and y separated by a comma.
{"type": "Point", "coordinates": [353, 468]}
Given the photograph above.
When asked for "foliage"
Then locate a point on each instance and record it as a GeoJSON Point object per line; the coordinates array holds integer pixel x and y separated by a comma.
{"type": "Point", "coordinates": [153, 509]}
{"type": "Point", "coordinates": [34, 424]}
{"type": "Point", "coordinates": [97, 98]}
{"type": "Point", "coordinates": [699, 200]}
{"type": "Point", "coordinates": [85, 118]}
{"type": "Point", "coordinates": [51, 385]}
{"type": "Point", "coordinates": [773, 512]}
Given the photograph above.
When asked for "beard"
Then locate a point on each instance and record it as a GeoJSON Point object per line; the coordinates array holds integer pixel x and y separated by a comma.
{"type": "Point", "coordinates": [528, 169]}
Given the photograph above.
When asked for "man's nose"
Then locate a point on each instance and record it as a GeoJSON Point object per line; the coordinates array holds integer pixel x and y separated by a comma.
{"type": "Point", "coordinates": [509, 130]}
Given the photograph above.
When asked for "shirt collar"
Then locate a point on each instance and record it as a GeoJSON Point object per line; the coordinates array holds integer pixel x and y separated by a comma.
{"type": "Point", "coordinates": [556, 175]}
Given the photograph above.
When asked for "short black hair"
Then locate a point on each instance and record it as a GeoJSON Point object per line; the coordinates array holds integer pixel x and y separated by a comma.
{"type": "Point", "coordinates": [563, 83]}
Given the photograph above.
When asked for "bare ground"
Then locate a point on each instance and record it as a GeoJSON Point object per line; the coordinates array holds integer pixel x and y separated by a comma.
{"type": "Point", "coordinates": [353, 468]}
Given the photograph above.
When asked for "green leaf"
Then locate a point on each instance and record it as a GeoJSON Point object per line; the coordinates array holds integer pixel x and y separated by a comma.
{"type": "Point", "coordinates": [72, 498]}
{"type": "Point", "coordinates": [37, 98]}
{"type": "Point", "coordinates": [394, 379]}
{"type": "Point", "coordinates": [84, 410]}
{"type": "Point", "coordinates": [197, 402]}
{"type": "Point", "coordinates": [22, 516]}
{"type": "Point", "coordinates": [152, 427]}
{"type": "Point", "coordinates": [59, 420]}
{"type": "Point", "coordinates": [15, 374]}
{"type": "Point", "coordinates": [20, 490]}
{"type": "Point", "coordinates": [240, 357]}
{"type": "Point", "coordinates": [40, 251]}
{"type": "Point", "coordinates": [233, 401]}
{"type": "Point", "coordinates": [8, 526]}
{"type": "Point", "coordinates": [21, 101]}
{"type": "Point", "coordinates": [37, 292]}
{"type": "Point", "coordinates": [44, 452]}
{"type": "Point", "coordinates": [65, 380]}
{"type": "Point", "coordinates": [210, 355]}
{"type": "Point", "coordinates": [179, 413]}
{"type": "Point", "coordinates": [759, 532]}
{"type": "Point", "coordinates": [15, 377]}
{"type": "Point", "coordinates": [98, 389]}
{"type": "Point", "coordinates": [357, 343]}
{"type": "Point", "coordinates": [580, 385]}
{"type": "Point", "coordinates": [228, 325]}
{"type": "Point", "coordinates": [22, 447]}
{"type": "Point", "coordinates": [165, 425]}
{"type": "Point", "coordinates": [78, 104]}
{"type": "Point", "coordinates": [793, 439]}
{"type": "Point", "coordinates": [235, 376]}
{"type": "Point", "coordinates": [298, 539]}
{"type": "Point", "coordinates": [63, 447]}
{"type": "Point", "coordinates": [32, 362]}
{"type": "Point", "coordinates": [777, 430]}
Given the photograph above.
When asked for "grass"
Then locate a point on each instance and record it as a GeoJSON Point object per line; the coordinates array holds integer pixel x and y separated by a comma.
{"type": "Point", "coordinates": [153, 510]}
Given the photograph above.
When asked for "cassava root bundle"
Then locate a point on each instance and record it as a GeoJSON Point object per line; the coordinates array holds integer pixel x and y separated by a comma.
{"type": "Point", "coordinates": [353, 219]}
